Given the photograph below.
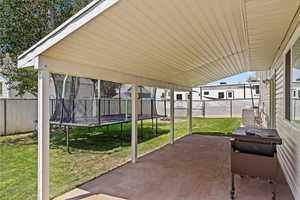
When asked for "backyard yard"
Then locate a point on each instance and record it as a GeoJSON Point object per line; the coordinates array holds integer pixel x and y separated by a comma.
{"type": "Point", "coordinates": [94, 152]}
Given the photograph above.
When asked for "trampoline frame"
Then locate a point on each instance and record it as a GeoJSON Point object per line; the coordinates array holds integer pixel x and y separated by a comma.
{"type": "Point", "coordinates": [67, 127]}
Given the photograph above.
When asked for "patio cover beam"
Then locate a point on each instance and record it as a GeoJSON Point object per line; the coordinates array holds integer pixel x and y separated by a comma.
{"type": "Point", "coordinates": [100, 73]}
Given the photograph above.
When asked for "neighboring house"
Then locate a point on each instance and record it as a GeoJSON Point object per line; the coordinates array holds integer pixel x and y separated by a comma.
{"type": "Point", "coordinates": [6, 93]}
{"type": "Point", "coordinates": [295, 87]}
{"type": "Point", "coordinates": [86, 88]}
{"type": "Point", "coordinates": [222, 91]}
{"type": "Point", "coordinates": [144, 92]}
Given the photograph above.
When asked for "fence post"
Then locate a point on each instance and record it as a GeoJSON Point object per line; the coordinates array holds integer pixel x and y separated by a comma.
{"type": "Point", "coordinates": [203, 108]}
{"type": "Point", "coordinates": [294, 109]}
{"type": "Point", "coordinates": [99, 111]}
{"type": "Point", "coordinates": [85, 108]}
{"type": "Point", "coordinates": [165, 107]}
{"type": "Point", "coordinates": [52, 104]}
{"type": "Point", "coordinates": [230, 108]}
{"type": "Point", "coordinates": [108, 106]}
{"type": "Point", "coordinates": [5, 116]}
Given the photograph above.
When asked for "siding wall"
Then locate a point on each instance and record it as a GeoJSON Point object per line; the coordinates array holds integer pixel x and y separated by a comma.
{"type": "Point", "coordinates": [289, 151]}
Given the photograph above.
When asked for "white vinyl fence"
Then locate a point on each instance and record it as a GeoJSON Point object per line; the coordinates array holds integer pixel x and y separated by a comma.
{"type": "Point", "coordinates": [209, 109]}
{"type": "Point", "coordinates": [18, 115]}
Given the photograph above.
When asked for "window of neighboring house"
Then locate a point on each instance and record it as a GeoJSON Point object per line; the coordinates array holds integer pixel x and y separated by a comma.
{"type": "Point", "coordinates": [230, 95]}
{"type": "Point", "coordinates": [1, 88]}
{"type": "Point", "coordinates": [221, 95]}
{"type": "Point", "coordinates": [294, 83]}
{"type": "Point", "coordinates": [294, 93]}
{"type": "Point", "coordinates": [206, 92]}
{"type": "Point", "coordinates": [178, 96]}
{"type": "Point", "coordinates": [256, 88]}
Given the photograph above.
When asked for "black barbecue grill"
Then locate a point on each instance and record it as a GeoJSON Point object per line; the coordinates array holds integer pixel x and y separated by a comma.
{"type": "Point", "coordinates": [251, 146]}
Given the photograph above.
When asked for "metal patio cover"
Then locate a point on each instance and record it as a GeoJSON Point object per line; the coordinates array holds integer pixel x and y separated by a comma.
{"type": "Point", "coordinates": [166, 43]}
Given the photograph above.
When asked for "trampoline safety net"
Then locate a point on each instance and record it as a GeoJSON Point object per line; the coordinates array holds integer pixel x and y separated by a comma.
{"type": "Point", "coordinates": [86, 102]}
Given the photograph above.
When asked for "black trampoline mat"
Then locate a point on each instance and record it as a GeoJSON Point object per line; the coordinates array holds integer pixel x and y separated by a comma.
{"type": "Point", "coordinates": [103, 121]}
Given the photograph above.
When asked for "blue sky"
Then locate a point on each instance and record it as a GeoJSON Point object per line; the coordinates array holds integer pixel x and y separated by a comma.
{"type": "Point", "coordinates": [239, 78]}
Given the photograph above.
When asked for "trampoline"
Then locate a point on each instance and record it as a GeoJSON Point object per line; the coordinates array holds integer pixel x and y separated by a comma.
{"type": "Point", "coordinates": [69, 110]}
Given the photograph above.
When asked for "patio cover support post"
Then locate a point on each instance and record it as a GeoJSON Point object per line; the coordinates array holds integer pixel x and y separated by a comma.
{"type": "Point", "coordinates": [190, 112]}
{"type": "Point", "coordinates": [134, 119]}
{"type": "Point", "coordinates": [43, 132]}
{"type": "Point", "coordinates": [172, 119]}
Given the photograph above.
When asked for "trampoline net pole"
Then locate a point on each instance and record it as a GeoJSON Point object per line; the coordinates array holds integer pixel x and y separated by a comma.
{"type": "Point", "coordinates": [120, 108]}
{"type": "Point", "coordinates": [108, 106]}
{"type": "Point", "coordinates": [99, 111]}
{"type": "Point", "coordinates": [165, 107]}
{"type": "Point", "coordinates": [152, 113]}
{"type": "Point", "coordinates": [126, 109]}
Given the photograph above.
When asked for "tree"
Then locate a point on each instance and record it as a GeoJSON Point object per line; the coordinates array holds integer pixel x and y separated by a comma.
{"type": "Point", "coordinates": [22, 24]}
{"type": "Point", "coordinates": [109, 89]}
{"type": "Point", "coordinates": [18, 79]}
{"type": "Point", "coordinates": [251, 79]}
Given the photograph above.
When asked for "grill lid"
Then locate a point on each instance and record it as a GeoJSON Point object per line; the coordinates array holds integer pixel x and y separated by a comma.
{"type": "Point", "coordinates": [259, 135]}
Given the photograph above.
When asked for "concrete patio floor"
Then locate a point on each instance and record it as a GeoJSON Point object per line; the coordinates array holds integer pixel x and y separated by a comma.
{"type": "Point", "coordinates": [195, 167]}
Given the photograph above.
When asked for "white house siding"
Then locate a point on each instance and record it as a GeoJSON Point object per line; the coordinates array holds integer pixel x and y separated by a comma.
{"type": "Point", "coordinates": [11, 93]}
{"type": "Point", "coordinates": [5, 91]}
{"type": "Point", "coordinates": [289, 151]}
{"type": "Point", "coordinates": [238, 91]}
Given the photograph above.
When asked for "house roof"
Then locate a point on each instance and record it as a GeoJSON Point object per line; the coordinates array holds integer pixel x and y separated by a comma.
{"type": "Point", "coordinates": [171, 43]}
{"type": "Point", "coordinates": [233, 85]}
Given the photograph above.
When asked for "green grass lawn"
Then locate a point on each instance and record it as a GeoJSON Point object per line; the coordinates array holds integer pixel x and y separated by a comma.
{"type": "Point", "coordinates": [94, 152]}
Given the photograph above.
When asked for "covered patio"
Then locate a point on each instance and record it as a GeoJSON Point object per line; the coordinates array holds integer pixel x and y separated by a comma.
{"type": "Point", "coordinates": [169, 44]}
{"type": "Point", "coordinates": [195, 167]}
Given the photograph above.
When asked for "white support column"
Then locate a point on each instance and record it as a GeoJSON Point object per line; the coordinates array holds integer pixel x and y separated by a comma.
{"type": "Point", "coordinates": [190, 112]}
{"type": "Point", "coordinates": [172, 117]}
{"type": "Point", "coordinates": [43, 132]}
{"type": "Point", "coordinates": [134, 119]}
